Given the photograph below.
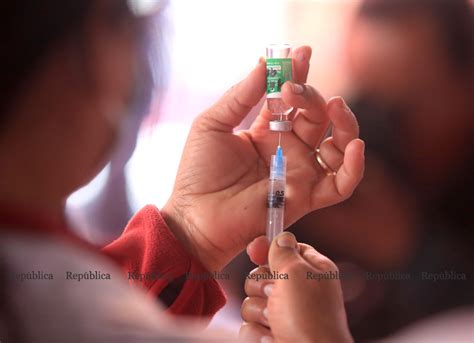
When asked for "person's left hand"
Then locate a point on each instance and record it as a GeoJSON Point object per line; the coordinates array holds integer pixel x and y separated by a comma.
{"type": "Point", "coordinates": [305, 306]}
{"type": "Point", "coordinates": [218, 204]}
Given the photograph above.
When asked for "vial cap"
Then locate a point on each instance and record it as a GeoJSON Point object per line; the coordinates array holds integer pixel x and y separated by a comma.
{"type": "Point", "coordinates": [281, 125]}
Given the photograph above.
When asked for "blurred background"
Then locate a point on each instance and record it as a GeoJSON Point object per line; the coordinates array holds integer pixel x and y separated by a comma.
{"type": "Point", "coordinates": [405, 68]}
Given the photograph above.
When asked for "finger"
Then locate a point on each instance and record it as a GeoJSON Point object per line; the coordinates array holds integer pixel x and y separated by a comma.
{"type": "Point", "coordinates": [258, 283]}
{"type": "Point", "coordinates": [312, 121]}
{"type": "Point", "coordinates": [344, 124]}
{"type": "Point", "coordinates": [255, 333]}
{"type": "Point", "coordinates": [345, 128]}
{"type": "Point", "coordinates": [303, 247]}
{"type": "Point", "coordinates": [283, 251]}
{"type": "Point", "coordinates": [333, 189]}
{"type": "Point", "coordinates": [330, 154]}
{"type": "Point", "coordinates": [316, 259]}
{"type": "Point", "coordinates": [258, 250]}
{"type": "Point", "coordinates": [231, 108]}
{"type": "Point", "coordinates": [301, 57]}
{"type": "Point", "coordinates": [254, 310]}
{"type": "Point", "coordinates": [352, 170]}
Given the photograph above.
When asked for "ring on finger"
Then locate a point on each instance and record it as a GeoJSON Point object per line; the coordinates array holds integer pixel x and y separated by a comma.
{"type": "Point", "coordinates": [321, 163]}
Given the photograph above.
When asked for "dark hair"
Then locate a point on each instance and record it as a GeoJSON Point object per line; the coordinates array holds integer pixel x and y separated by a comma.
{"type": "Point", "coordinates": [29, 30]}
{"type": "Point", "coordinates": [453, 18]}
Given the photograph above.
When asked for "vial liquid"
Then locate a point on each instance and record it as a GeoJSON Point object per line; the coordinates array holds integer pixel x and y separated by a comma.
{"type": "Point", "coordinates": [279, 70]}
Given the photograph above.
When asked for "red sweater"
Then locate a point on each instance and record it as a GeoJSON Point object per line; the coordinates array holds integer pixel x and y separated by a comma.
{"type": "Point", "coordinates": [147, 247]}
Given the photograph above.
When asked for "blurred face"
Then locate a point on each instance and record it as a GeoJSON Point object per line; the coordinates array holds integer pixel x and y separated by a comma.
{"type": "Point", "coordinates": [75, 104]}
{"type": "Point", "coordinates": [401, 68]}
{"type": "Point", "coordinates": [114, 78]}
{"type": "Point", "coordinates": [396, 62]}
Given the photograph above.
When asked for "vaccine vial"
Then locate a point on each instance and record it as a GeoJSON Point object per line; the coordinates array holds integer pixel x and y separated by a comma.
{"type": "Point", "coordinates": [279, 70]}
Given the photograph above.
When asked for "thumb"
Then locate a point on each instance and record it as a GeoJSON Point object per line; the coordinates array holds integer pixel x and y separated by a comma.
{"type": "Point", "coordinates": [237, 102]}
{"type": "Point", "coordinates": [283, 251]}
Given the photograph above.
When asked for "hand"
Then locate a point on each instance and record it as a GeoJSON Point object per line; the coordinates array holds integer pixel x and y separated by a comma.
{"type": "Point", "coordinates": [297, 309]}
{"type": "Point", "coordinates": [218, 204]}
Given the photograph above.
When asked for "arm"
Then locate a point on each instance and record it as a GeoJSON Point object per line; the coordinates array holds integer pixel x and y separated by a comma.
{"type": "Point", "coordinates": [218, 202]}
{"type": "Point", "coordinates": [152, 258]}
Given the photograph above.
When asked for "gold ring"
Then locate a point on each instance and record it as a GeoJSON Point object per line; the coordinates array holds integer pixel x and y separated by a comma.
{"type": "Point", "coordinates": [323, 165]}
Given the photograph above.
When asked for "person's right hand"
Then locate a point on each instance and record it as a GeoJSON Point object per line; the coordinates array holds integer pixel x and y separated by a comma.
{"type": "Point", "coordinates": [297, 309]}
{"type": "Point", "coordinates": [218, 203]}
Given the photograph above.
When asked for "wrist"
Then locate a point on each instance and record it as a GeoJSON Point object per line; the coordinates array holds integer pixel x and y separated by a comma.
{"type": "Point", "coordinates": [189, 237]}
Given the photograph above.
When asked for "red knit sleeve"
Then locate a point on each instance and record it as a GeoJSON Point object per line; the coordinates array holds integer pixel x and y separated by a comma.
{"type": "Point", "coordinates": [152, 257]}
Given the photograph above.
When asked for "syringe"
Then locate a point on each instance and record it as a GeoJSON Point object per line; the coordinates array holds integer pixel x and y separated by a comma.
{"type": "Point", "coordinates": [276, 194]}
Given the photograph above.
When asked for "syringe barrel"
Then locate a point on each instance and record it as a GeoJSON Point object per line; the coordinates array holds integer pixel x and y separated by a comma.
{"type": "Point", "coordinates": [276, 195]}
{"type": "Point", "coordinates": [276, 208]}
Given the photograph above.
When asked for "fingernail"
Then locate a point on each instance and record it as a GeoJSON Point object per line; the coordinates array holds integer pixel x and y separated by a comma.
{"type": "Point", "coordinates": [266, 339]}
{"type": "Point", "coordinates": [300, 57]}
{"type": "Point", "coordinates": [297, 89]}
{"type": "Point", "coordinates": [267, 289]}
{"type": "Point", "coordinates": [286, 241]}
{"type": "Point", "coordinates": [261, 60]}
{"type": "Point", "coordinates": [265, 313]}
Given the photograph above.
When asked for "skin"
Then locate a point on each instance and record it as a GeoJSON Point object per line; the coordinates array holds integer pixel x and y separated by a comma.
{"type": "Point", "coordinates": [406, 64]}
{"type": "Point", "coordinates": [66, 117]}
{"type": "Point", "coordinates": [214, 209]}
{"type": "Point", "coordinates": [402, 64]}
{"type": "Point", "coordinates": [64, 121]}
{"type": "Point", "coordinates": [298, 307]}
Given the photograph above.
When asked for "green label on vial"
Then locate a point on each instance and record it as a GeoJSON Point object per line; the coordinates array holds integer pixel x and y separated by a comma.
{"type": "Point", "coordinates": [279, 70]}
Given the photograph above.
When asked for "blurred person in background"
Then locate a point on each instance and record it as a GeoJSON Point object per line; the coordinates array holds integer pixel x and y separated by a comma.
{"type": "Point", "coordinates": [101, 218]}
{"type": "Point", "coordinates": [411, 64]}
{"type": "Point", "coordinates": [70, 74]}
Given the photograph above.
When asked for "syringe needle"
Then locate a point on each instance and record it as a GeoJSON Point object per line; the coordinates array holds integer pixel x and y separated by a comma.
{"type": "Point", "coordinates": [279, 138]}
